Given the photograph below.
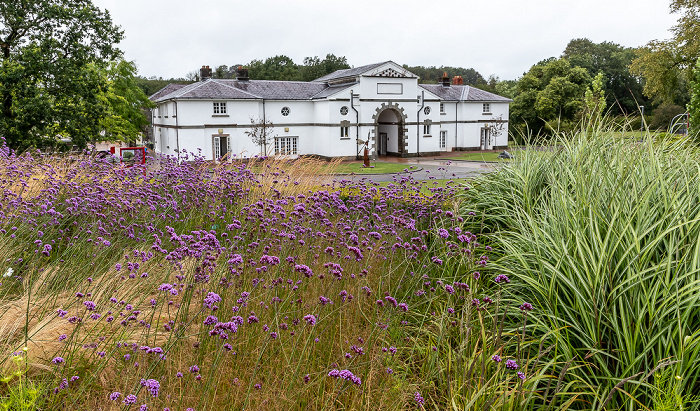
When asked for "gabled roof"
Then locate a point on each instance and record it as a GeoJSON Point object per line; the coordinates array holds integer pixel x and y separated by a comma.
{"type": "Point", "coordinates": [462, 93]}
{"type": "Point", "coordinates": [351, 72]}
{"type": "Point", "coordinates": [166, 90]}
{"type": "Point", "coordinates": [236, 90]}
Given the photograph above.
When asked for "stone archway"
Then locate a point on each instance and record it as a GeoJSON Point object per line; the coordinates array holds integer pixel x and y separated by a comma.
{"type": "Point", "coordinates": [389, 132]}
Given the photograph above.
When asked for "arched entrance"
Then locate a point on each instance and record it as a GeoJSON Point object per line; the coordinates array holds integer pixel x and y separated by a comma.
{"type": "Point", "coordinates": [389, 131]}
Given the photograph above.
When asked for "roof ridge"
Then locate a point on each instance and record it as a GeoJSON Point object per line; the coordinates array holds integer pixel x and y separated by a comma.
{"type": "Point", "coordinates": [235, 88]}
{"type": "Point", "coordinates": [180, 91]}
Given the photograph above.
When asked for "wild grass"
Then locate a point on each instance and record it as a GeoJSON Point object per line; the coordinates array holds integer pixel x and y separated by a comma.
{"type": "Point", "coordinates": [234, 289]}
{"type": "Point", "coordinates": [602, 237]}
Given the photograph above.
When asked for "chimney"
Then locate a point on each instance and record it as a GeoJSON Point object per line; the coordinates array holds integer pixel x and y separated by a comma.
{"type": "Point", "coordinates": [204, 73]}
{"type": "Point", "coordinates": [457, 80]}
{"type": "Point", "coordinates": [445, 81]}
{"type": "Point", "coordinates": [242, 74]}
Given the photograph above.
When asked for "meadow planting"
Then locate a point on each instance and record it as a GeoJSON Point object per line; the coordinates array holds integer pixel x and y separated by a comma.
{"type": "Point", "coordinates": [193, 286]}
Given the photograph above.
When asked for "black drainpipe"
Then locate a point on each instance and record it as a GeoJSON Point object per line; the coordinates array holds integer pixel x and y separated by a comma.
{"type": "Point", "coordinates": [422, 104]}
{"type": "Point", "coordinates": [357, 121]}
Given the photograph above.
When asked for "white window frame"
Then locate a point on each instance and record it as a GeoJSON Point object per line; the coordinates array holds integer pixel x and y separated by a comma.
{"type": "Point", "coordinates": [442, 108]}
{"type": "Point", "coordinates": [344, 131]}
{"type": "Point", "coordinates": [426, 129]}
{"type": "Point", "coordinates": [286, 146]}
{"type": "Point", "coordinates": [443, 139]}
{"type": "Point", "coordinates": [165, 109]}
{"type": "Point", "coordinates": [486, 108]}
{"type": "Point", "coordinates": [220, 107]}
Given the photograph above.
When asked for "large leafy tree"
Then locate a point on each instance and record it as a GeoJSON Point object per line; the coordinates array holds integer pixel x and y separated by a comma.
{"type": "Point", "coordinates": [124, 100]}
{"type": "Point", "coordinates": [549, 96]}
{"type": "Point", "coordinates": [666, 65]}
{"type": "Point", "coordinates": [314, 67]}
{"type": "Point", "coordinates": [623, 90]}
{"type": "Point", "coordinates": [54, 53]}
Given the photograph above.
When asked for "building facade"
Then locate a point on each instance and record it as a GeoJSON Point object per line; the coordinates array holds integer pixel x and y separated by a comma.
{"type": "Point", "coordinates": [380, 106]}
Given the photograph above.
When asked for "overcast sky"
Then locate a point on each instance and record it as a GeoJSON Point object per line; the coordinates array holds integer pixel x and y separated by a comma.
{"type": "Point", "coordinates": [500, 37]}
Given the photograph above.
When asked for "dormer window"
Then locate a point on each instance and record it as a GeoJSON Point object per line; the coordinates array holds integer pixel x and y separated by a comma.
{"type": "Point", "coordinates": [219, 107]}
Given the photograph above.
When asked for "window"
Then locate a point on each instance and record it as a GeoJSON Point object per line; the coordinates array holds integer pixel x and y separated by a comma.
{"type": "Point", "coordinates": [426, 129]}
{"type": "Point", "coordinates": [426, 110]}
{"type": "Point", "coordinates": [344, 110]}
{"type": "Point", "coordinates": [165, 110]}
{"type": "Point", "coordinates": [344, 131]}
{"type": "Point", "coordinates": [486, 108]}
{"type": "Point", "coordinates": [285, 111]}
{"type": "Point", "coordinates": [286, 145]}
{"type": "Point", "coordinates": [442, 108]}
{"type": "Point", "coordinates": [443, 139]}
{"type": "Point", "coordinates": [219, 107]}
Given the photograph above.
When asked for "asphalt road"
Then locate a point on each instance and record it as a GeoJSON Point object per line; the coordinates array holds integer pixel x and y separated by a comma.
{"type": "Point", "coordinates": [430, 168]}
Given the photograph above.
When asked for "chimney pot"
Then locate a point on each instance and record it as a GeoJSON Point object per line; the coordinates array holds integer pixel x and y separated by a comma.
{"type": "Point", "coordinates": [204, 73]}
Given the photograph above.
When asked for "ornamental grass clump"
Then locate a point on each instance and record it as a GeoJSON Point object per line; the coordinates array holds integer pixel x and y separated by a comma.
{"type": "Point", "coordinates": [190, 285]}
{"type": "Point", "coordinates": [600, 234]}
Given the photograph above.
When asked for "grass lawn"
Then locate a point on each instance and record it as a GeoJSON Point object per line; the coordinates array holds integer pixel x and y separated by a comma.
{"type": "Point", "coordinates": [376, 167]}
{"type": "Point", "coordinates": [477, 156]}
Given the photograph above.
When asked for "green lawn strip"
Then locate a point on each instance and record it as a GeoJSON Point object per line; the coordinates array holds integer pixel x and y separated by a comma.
{"type": "Point", "coordinates": [376, 167]}
{"type": "Point", "coordinates": [476, 156]}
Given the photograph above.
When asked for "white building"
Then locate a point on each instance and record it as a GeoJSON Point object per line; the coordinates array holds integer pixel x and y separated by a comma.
{"type": "Point", "coordinates": [334, 116]}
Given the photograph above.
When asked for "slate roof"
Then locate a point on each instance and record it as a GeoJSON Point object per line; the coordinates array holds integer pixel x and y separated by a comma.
{"type": "Point", "coordinates": [349, 72]}
{"type": "Point", "coordinates": [462, 93]}
{"type": "Point", "coordinates": [334, 89]}
{"type": "Point", "coordinates": [166, 90]}
{"type": "Point", "coordinates": [302, 90]}
{"type": "Point", "coordinates": [253, 89]}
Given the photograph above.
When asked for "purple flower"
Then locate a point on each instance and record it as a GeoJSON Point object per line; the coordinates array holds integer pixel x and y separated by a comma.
{"type": "Point", "coordinates": [130, 399]}
{"type": "Point", "coordinates": [58, 360]}
{"type": "Point", "coordinates": [62, 337]}
{"type": "Point", "coordinates": [511, 365]}
{"type": "Point", "coordinates": [194, 369]}
{"type": "Point", "coordinates": [502, 278]}
{"type": "Point", "coordinates": [496, 358]}
{"type": "Point", "coordinates": [115, 396]}
{"type": "Point", "coordinates": [443, 233]}
{"type": "Point", "coordinates": [211, 299]}
{"type": "Point", "coordinates": [526, 307]}
{"type": "Point", "coordinates": [89, 305]}
{"type": "Point", "coordinates": [310, 319]}
{"type": "Point", "coordinates": [450, 290]}
{"type": "Point", "coordinates": [153, 386]}
{"type": "Point", "coordinates": [521, 375]}
{"type": "Point", "coordinates": [418, 398]}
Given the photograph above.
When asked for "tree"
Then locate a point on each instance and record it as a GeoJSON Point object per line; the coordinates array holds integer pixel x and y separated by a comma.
{"type": "Point", "coordinates": [694, 105]}
{"type": "Point", "coordinates": [260, 134]}
{"type": "Point", "coordinates": [53, 54]}
{"type": "Point", "coordinates": [549, 95]}
{"type": "Point", "coordinates": [594, 98]}
{"type": "Point", "coordinates": [274, 68]}
{"type": "Point", "coordinates": [623, 91]}
{"type": "Point", "coordinates": [314, 67]}
{"type": "Point", "coordinates": [667, 64]}
{"type": "Point", "coordinates": [124, 119]}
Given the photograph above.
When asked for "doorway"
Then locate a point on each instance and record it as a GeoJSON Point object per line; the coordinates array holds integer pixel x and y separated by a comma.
{"type": "Point", "coordinates": [222, 146]}
{"type": "Point", "coordinates": [382, 143]}
{"type": "Point", "coordinates": [486, 139]}
{"type": "Point", "coordinates": [390, 135]}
